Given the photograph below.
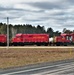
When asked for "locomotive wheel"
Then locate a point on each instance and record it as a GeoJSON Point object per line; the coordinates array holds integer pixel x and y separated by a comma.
{"type": "Point", "coordinates": [58, 44]}
{"type": "Point", "coordinates": [46, 44]}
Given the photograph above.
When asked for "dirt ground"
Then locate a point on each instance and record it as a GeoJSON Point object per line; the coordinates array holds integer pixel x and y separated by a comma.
{"type": "Point", "coordinates": [21, 57]}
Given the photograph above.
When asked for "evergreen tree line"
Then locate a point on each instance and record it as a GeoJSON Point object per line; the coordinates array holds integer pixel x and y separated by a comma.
{"type": "Point", "coordinates": [29, 29]}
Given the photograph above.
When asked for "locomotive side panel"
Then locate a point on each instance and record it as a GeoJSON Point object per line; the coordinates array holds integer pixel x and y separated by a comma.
{"type": "Point", "coordinates": [38, 39]}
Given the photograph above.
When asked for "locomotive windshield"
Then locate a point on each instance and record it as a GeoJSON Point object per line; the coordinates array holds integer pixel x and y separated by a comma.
{"type": "Point", "coordinates": [69, 38]}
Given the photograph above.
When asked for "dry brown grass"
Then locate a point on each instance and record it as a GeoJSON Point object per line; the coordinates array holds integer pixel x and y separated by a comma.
{"type": "Point", "coordinates": [22, 57]}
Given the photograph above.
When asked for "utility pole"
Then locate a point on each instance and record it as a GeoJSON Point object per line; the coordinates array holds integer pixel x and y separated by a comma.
{"type": "Point", "coordinates": [7, 32]}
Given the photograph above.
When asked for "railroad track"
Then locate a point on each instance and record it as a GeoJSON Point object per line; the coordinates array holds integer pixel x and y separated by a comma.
{"type": "Point", "coordinates": [37, 47]}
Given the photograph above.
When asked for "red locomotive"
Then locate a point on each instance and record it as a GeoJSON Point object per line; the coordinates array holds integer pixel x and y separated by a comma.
{"type": "Point", "coordinates": [3, 39]}
{"type": "Point", "coordinates": [32, 39]}
{"type": "Point", "coordinates": [64, 39]}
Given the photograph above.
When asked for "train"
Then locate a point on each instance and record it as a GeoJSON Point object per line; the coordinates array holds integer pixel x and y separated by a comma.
{"type": "Point", "coordinates": [38, 39]}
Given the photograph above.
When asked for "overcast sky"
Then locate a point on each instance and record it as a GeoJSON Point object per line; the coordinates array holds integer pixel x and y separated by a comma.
{"type": "Point", "coordinates": [57, 14]}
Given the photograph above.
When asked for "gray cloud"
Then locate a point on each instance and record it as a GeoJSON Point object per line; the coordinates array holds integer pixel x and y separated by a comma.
{"type": "Point", "coordinates": [9, 9]}
{"type": "Point", "coordinates": [48, 5]}
{"type": "Point", "coordinates": [70, 1]}
{"type": "Point", "coordinates": [55, 14]}
{"type": "Point", "coordinates": [43, 5]}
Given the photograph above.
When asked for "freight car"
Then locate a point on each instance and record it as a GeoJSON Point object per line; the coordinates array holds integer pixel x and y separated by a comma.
{"type": "Point", "coordinates": [31, 39]}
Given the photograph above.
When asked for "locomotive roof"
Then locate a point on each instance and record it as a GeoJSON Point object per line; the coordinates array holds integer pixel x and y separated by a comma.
{"type": "Point", "coordinates": [18, 34]}
{"type": "Point", "coordinates": [2, 35]}
{"type": "Point", "coordinates": [64, 34]}
{"type": "Point", "coordinates": [29, 34]}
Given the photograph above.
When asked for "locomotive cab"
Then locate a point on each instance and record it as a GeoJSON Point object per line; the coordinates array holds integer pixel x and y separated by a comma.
{"type": "Point", "coordinates": [17, 40]}
{"type": "Point", "coordinates": [66, 39]}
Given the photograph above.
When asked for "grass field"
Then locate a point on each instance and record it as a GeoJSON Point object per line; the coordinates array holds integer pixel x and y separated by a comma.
{"type": "Point", "coordinates": [20, 57]}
